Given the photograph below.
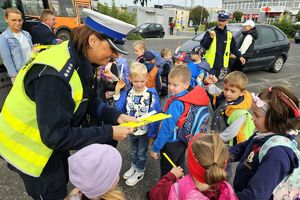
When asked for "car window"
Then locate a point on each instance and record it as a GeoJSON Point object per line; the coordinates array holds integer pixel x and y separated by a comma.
{"type": "Point", "coordinates": [158, 26]}
{"type": "Point", "coordinates": [143, 26]}
{"type": "Point", "coordinates": [238, 38]}
{"type": "Point", "coordinates": [280, 35]}
{"type": "Point", "coordinates": [152, 27]}
{"type": "Point", "coordinates": [267, 35]}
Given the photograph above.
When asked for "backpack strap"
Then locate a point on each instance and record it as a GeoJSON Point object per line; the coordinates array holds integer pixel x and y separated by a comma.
{"type": "Point", "coordinates": [274, 141]}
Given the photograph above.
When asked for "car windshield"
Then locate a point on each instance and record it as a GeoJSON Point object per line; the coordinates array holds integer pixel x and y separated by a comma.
{"type": "Point", "coordinates": [234, 28]}
{"type": "Point", "coordinates": [143, 26]}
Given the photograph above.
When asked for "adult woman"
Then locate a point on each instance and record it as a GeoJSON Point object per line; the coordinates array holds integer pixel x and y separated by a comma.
{"type": "Point", "coordinates": [41, 116]}
{"type": "Point", "coordinates": [15, 44]}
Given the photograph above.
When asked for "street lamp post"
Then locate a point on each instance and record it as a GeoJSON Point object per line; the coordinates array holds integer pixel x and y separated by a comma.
{"type": "Point", "coordinates": [201, 12]}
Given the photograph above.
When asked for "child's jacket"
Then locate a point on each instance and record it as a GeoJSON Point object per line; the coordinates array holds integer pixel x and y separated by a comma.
{"type": "Point", "coordinates": [199, 72]}
{"type": "Point", "coordinates": [185, 189]}
{"type": "Point", "coordinates": [254, 180]}
{"type": "Point", "coordinates": [227, 112]}
{"type": "Point", "coordinates": [139, 105]}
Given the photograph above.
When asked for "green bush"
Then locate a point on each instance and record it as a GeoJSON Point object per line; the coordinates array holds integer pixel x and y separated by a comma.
{"type": "Point", "coordinates": [287, 27]}
{"type": "Point", "coordinates": [134, 36]}
{"type": "Point", "coordinates": [212, 24]}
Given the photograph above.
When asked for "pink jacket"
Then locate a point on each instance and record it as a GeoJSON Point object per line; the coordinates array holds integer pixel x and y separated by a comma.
{"type": "Point", "coordinates": [186, 190]}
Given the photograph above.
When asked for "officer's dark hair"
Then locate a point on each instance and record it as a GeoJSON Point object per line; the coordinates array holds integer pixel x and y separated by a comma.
{"type": "Point", "coordinates": [80, 38]}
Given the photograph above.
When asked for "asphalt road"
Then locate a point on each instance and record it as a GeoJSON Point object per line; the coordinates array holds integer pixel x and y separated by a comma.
{"type": "Point", "coordinates": [11, 186]}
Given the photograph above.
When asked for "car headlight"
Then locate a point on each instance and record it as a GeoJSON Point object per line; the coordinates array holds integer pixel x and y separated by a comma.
{"type": "Point", "coordinates": [140, 31]}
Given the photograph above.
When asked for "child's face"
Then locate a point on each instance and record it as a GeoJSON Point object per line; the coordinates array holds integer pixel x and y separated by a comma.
{"type": "Point", "coordinates": [138, 83]}
{"type": "Point", "coordinates": [168, 56]}
{"type": "Point", "coordinates": [232, 93]}
{"type": "Point", "coordinates": [176, 85]}
{"type": "Point", "coordinates": [195, 57]}
{"type": "Point", "coordinates": [139, 51]}
{"type": "Point", "coordinates": [258, 118]}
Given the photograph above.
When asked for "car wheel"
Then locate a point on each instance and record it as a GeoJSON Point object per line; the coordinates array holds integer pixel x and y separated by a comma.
{"type": "Point", "coordinates": [277, 65]}
{"type": "Point", "coordinates": [161, 35]}
{"type": "Point", "coordinates": [63, 34]}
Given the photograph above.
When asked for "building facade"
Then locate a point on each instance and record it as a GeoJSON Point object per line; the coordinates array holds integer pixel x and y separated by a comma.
{"type": "Point", "coordinates": [265, 11]}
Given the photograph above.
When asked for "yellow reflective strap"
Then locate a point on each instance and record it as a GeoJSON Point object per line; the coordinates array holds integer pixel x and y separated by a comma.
{"type": "Point", "coordinates": [20, 126]}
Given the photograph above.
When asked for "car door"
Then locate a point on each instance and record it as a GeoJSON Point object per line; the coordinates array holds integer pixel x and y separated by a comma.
{"type": "Point", "coordinates": [151, 30]}
{"type": "Point", "coordinates": [267, 50]}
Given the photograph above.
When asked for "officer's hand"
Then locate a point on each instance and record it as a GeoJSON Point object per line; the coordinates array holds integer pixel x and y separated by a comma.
{"type": "Point", "coordinates": [177, 171]}
{"type": "Point", "coordinates": [232, 55]}
{"type": "Point", "coordinates": [126, 118]}
{"type": "Point", "coordinates": [121, 132]}
{"type": "Point", "coordinates": [243, 61]}
{"type": "Point", "coordinates": [212, 34]}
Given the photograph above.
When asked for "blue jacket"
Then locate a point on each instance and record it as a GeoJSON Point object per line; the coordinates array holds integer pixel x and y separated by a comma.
{"type": "Point", "coordinates": [196, 70]}
{"type": "Point", "coordinates": [254, 180]}
{"type": "Point", "coordinates": [155, 105]}
{"type": "Point", "coordinates": [166, 133]}
{"type": "Point", "coordinates": [11, 51]}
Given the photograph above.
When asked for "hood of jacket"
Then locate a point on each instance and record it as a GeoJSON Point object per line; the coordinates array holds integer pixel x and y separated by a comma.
{"type": "Point", "coordinates": [196, 96]}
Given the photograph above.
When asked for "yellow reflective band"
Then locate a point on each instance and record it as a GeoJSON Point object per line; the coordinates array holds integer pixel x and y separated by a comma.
{"type": "Point", "coordinates": [20, 126]}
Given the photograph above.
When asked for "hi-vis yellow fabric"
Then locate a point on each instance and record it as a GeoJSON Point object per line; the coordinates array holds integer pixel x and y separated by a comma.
{"type": "Point", "coordinates": [211, 52]}
{"type": "Point", "coordinates": [20, 141]}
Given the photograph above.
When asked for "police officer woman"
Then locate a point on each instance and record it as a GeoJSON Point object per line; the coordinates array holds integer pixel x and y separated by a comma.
{"type": "Point", "coordinates": [41, 117]}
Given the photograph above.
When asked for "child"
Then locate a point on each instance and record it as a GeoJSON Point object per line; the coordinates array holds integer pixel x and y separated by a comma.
{"type": "Point", "coordinates": [164, 68]}
{"type": "Point", "coordinates": [94, 171]}
{"type": "Point", "coordinates": [275, 113]}
{"type": "Point", "coordinates": [167, 140]}
{"type": "Point", "coordinates": [207, 159]}
{"type": "Point", "coordinates": [231, 117]}
{"type": "Point", "coordinates": [153, 78]}
{"type": "Point", "coordinates": [179, 59]}
{"type": "Point", "coordinates": [139, 50]}
{"type": "Point", "coordinates": [199, 66]}
{"type": "Point", "coordinates": [137, 102]}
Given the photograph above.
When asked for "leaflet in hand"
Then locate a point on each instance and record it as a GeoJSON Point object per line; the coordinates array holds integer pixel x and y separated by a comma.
{"type": "Point", "coordinates": [147, 120]}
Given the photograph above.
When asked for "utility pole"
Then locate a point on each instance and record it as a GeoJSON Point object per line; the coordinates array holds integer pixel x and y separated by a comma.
{"type": "Point", "coordinates": [201, 12]}
{"type": "Point", "coordinates": [192, 3]}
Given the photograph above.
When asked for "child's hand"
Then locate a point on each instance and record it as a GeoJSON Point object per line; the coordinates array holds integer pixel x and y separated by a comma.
{"type": "Point", "coordinates": [211, 79]}
{"type": "Point", "coordinates": [75, 194]}
{"type": "Point", "coordinates": [120, 84]}
{"type": "Point", "coordinates": [154, 155]}
{"type": "Point", "coordinates": [177, 171]}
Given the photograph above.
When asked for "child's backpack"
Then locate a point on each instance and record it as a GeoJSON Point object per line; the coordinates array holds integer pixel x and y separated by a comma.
{"type": "Point", "coordinates": [289, 187]}
{"type": "Point", "coordinates": [195, 117]}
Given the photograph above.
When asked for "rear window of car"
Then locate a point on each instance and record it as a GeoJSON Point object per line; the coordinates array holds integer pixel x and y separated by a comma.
{"type": "Point", "coordinates": [267, 35]}
{"type": "Point", "coordinates": [280, 35]}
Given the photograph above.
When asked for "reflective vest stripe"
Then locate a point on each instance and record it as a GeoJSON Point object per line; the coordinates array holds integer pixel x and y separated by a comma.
{"type": "Point", "coordinates": [211, 52]}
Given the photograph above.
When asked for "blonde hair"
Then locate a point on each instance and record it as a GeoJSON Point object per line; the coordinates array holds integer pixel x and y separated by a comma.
{"type": "Point", "coordinates": [236, 79]}
{"type": "Point", "coordinates": [164, 52]}
{"type": "Point", "coordinates": [137, 69]}
{"type": "Point", "coordinates": [115, 194]}
{"type": "Point", "coordinates": [212, 154]}
{"type": "Point", "coordinates": [139, 44]}
{"type": "Point", "coordinates": [11, 10]}
{"type": "Point", "coordinates": [181, 72]}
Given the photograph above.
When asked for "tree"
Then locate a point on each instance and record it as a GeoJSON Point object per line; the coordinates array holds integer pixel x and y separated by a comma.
{"type": "Point", "coordinates": [196, 14]}
{"type": "Point", "coordinates": [237, 16]}
{"type": "Point", "coordinates": [298, 16]}
{"type": "Point", "coordinates": [143, 2]}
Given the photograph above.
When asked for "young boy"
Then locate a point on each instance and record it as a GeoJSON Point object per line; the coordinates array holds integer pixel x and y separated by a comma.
{"type": "Point", "coordinates": [137, 102]}
{"type": "Point", "coordinates": [167, 140]}
{"type": "Point", "coordinates": [231, 117]}
{"type": "Point", "coordinates": [153, 79]}
{"type": "Point", "coordinates": [198, 66]}
{"type": "Point", "coordinates": [179, 59]}
{"type": "Point", "coordinates": [139, 50]}
{"type": "Point", "coordinates": [164, 69]}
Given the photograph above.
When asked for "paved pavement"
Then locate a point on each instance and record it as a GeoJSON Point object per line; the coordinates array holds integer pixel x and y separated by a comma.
{"type": "Point", "coordinates": [11, 186]}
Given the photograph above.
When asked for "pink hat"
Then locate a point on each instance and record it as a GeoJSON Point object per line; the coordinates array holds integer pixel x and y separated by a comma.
{"type": "Point", "coordinates": [95, 169]}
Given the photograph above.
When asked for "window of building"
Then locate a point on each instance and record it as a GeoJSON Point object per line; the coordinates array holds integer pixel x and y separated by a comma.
{"type": "Point", "coordinates": [268, 35]}
{"type": "Point", "coordinates": [297, 4]}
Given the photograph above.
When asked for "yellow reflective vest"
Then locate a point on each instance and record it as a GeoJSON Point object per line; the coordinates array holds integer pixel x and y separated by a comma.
{"type": "Point", "coordinates": [20, 140]}
{"type": "Point", "coordinates": [211, 52]}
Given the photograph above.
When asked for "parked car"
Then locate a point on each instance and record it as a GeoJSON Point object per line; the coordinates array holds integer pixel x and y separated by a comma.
{"type": "Point", "coordinates": [297, 36]}
{"type": "Point", "coordinates": [270, 49]}
{"type": "Point", "coordinates": [149, 30]}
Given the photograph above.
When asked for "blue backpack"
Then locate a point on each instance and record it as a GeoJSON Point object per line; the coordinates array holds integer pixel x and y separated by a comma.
{"type": "Point", "coordinates": [289, 187]}
{"type": "Point", "coordinates": [195, 117]}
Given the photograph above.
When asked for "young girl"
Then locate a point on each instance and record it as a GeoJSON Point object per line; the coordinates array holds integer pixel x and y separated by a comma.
{"type": "Point", "coordinates": [139, 50]}
{"type": "Point", "coordinates": [207, 158]}
{"type": "Point", "coordinates": [94, 171]}
{"type": "Point", "coordinates": [275, 112]}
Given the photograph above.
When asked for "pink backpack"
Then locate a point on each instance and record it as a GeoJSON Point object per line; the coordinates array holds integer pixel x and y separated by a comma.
{"type": "Point", "coordinates": [185, 189]}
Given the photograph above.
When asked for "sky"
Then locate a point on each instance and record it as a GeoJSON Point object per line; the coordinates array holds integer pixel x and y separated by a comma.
{"type": "Point", "coordinates": [207, 3]}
